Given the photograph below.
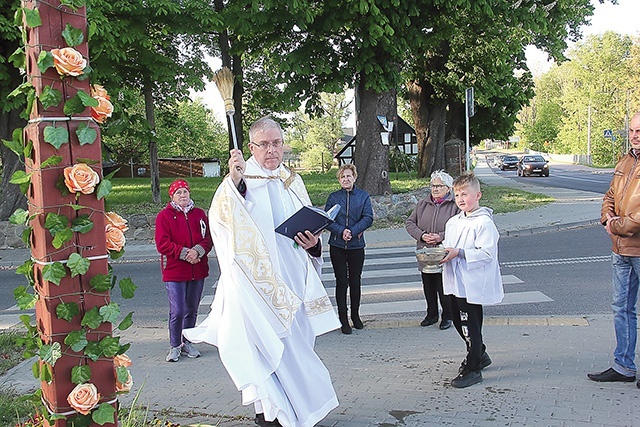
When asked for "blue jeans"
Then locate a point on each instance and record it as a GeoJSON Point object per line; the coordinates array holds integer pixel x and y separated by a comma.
{"type": "Point", "coordinates": [184, 299]}
{"type": "Point", "coordinates": [626, 273]}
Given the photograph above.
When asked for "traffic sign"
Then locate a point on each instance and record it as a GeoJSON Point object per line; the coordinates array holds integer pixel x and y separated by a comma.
{"type": "Point", "coordinates": [469, 99]}
{"type": "Point", "coordinates": [608, 133]}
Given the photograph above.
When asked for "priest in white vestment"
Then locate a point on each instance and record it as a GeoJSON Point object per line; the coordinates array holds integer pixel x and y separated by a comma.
{"type": "Point", "coordinates": [270, 303]}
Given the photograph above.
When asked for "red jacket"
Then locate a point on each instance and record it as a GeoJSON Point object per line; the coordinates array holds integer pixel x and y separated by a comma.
{"type": "Point", "coordinates": [176, 231]}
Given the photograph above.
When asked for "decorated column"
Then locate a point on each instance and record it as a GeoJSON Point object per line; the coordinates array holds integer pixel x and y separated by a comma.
{"type": "Point", "coordinates": [82, 365]}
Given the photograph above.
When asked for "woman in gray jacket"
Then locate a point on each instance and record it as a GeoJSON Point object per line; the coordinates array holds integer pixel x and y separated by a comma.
{"type": "Point", "coordinates": [426, 225]}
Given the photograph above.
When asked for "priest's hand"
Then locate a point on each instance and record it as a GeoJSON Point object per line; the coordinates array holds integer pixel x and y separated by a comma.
{"type": "Point", "coordinates": [306, 240]}
{"type": "Point", "coordinates": [236, 166]}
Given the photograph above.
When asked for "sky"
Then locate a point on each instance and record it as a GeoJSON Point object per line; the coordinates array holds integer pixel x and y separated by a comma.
{"type": "Point", "coordinates": [622, 18]}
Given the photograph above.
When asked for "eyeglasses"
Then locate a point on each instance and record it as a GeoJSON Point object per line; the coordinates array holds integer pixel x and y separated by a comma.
{"type": "Point", "coordinates": [264, 145]}
{"type": "Point", "coordinates": [437, 186]}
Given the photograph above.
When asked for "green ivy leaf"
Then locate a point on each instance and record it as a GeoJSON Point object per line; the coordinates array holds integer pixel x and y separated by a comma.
{"type": "Point", "coordinates": [73, 36]}
{"type": "Point", "coordinates": [45, 61]}
{"type": "Point", "coordinates": [80, 374]}
{"type": "Point", "coordinates": [20, 177]}
{"type": "Point", "coordinates": [32, 17]}
{"type": "Point", "coordinates": [110, 312]}
{"type": "Point", "coordinates": [73, 106]}
{"type": "Point", "coordinates": [26, 268]}
{"type": "Point", "coordinates": [87, 100]}
{"type": "Point", "coordinates": [24, 300]}
{"type": "Point", "coordinates": [28, 148]}
{"type": "Point", "coordinates": [13, 145]}
{"type": "Point", "coordinates": [56, 136]}
{"type": "Point", "coordinates": [77, 340]}
{"type": "Point", "coordinates": [19, 217]}
{"type": "Point", "coordinates": [73, 4]}
{"type": "Point", "coordinates": [124, 348]}
{"type": "Point", "coordinates": [126, 322]}
{"type": "Point", "coordinates": [50, 353]}
{"type": "Point", "coordinates": [26, 236]}
{"type": "Point", "coordinates": [127, 288]}
{"type": "Point", "coordinates": [92, 351]}
{"type": "Point", "coordinates": [104, 188]}
{"type": "Point", "coordinates": [67, 310]}
{"type": "Point", "coordinates": [35, 369]}
{"type": "Point", "coordinates": [92, 319]}
{"type": "Point", "coordinates": [62, 237]}
{"type": "Point", "coordinates": [101, 282]}
{"type": "Point", "coordinates": [54, 272]}
{"type": "Point", "coordinates": [77, 264]}
{"type": "Point", "coordinates": [60, 185]}
{"type": "Point", "coordinates": [122, 374]}
{"type": "Point", "coordinates": [86, 134]}
{"type": "Point", "coordinates": [116, 255]}
{"type": "Point", "coordinates": [17, 58]}
{"type": "Point", "coordinates": [55, 223]}
{"type": "Point", "coordinates": [51, 161]}
{"type": "Point", "coordinates": [87, 161]}
{"type": "Point", "coordinates": [85, 73]}
{"type": "Point", "coordinates": [45, 373]}
{"type": "Point", "coordinates": [109, 346]}
{"type": "Point", "coordinates": [82, 224]}
{"type": "Point", "coordinates": [50, 97]}
{"type": "Point", "coordinates": [104, 414]}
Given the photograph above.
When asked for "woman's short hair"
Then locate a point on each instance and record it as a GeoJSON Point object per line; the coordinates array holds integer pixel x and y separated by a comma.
{"type": "Point", "coordinates": [443, 176]}
{"type": "Point", "coordinates": [349, 166]}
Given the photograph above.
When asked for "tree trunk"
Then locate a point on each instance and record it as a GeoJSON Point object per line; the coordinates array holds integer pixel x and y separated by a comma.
{"type": "Point", "coordinates": [12, 198]}
{"type": "Point", "coordinates": [371, 156]}
{"type": "Point", "coordinates": [154, 168]}
{"type": "Point", "coordinates": [429, 116]}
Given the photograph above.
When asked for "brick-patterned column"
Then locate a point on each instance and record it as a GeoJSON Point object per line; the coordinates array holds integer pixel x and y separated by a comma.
{"type": "Point", "coordinates": [45, 197]}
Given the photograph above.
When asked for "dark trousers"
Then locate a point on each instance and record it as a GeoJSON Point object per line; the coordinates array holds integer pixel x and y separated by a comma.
{"type": "Point", "coordinates": [467, 319]}
{"type": "Point", "coordinates": [432, 287]}
{"type": "Point", "coordinates": [184, 299]}
{"type": "Point", "coordinates": [347, 267]}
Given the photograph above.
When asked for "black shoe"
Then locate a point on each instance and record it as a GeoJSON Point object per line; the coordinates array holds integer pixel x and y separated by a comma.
{"type": "Point", "coordinates": [445, 324]}
{"type": "Point", "coordinates": [611, 376]}
{"type": "Point", "coordinates": [346, 329]}
{"type": "Point", "coordinates": [357, 323]}
{"type": "Point", "coordinates": [260, 421]}
{"type": "Point", "coordinates": [428, 321]}
{"type": "Point", "coordinates": [485, 361]}
{"type": "Point", "coordinates": [466, 379]}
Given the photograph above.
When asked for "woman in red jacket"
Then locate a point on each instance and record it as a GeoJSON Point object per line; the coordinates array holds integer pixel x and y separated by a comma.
{"type": "Point", "coordinates": [183, 241]}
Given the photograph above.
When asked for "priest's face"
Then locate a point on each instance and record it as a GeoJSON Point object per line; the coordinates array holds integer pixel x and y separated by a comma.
{"type": "Point", "coordinates": [267, 148]}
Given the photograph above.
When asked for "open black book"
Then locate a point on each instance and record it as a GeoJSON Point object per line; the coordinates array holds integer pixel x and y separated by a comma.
{"type": "Point", "coordinates": [308, 218]}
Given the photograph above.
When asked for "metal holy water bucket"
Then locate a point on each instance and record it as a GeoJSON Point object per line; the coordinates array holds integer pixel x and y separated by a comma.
{"type": "Point", "coordinates": [431, 257]}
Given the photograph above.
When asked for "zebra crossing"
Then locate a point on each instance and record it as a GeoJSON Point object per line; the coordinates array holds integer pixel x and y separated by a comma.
{"type": "Point", "coordinates": [391, 283]}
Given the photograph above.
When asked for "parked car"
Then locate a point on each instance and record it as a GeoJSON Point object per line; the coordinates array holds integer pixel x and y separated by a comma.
{"type": "Point", "coordinates": [529, 165]}
{"type": "Point", "coordinates": [509, 162]}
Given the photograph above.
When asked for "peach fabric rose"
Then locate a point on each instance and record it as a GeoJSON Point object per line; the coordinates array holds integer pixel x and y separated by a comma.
{"type": "Point", "coordinates": [98, 90]}
{"type": "Point", "coordinates": [103, 111]}
{"type": "Point", "coordinates": [83, 398]}
{"type": "Point", "coordinates": [122, 360]}
{"type": "Point", "coordinates": [123, 388]}
{"type": "Point", "coordinates": [115, 238]}
{"type": "Point", "coordinates": [81, 178]}
{"type": "Point", "coordinates": [117, 221]}
{"type": "Point", "coordinates": [68, 61]}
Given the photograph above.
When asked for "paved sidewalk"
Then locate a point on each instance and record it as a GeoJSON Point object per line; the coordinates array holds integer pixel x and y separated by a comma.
{"type": "Point", "coordinates": [395, 373]}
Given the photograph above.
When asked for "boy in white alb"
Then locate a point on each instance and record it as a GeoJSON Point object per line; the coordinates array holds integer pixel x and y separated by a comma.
{"type": "Point", "coordinates": [471, 274]}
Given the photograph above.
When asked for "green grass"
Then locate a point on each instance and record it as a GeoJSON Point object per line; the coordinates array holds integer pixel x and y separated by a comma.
{"type": "Point", "coordinates": [12, 407]}
{"type": "Point", "coordinates": [133, 195]}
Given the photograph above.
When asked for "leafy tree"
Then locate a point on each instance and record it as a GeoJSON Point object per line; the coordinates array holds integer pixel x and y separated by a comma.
{"type": "Point", "coordinates": [156, 47]}
{"type": "Point", "coordinates": [189, 129]}
{"type": "Point", "coordinates": [10, 109]}
{"type": "Point", "coordinates": [316, 137]}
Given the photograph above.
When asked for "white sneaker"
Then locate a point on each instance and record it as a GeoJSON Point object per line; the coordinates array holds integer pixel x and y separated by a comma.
{"type": "Point", "coordinates": [190, 350]}
{"type": "Point", "coordinates": [174, 354]}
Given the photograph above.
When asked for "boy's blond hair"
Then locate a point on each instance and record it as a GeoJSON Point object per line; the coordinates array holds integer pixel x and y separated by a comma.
{"type": "Point", "coordinates": [467, 180]}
